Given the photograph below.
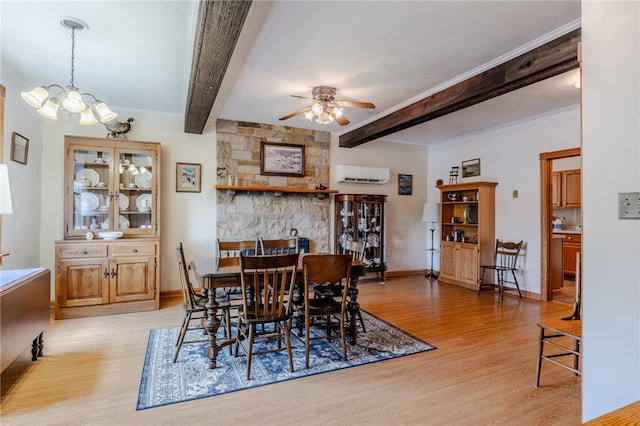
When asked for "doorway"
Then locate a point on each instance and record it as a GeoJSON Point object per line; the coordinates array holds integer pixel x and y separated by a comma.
{"type": "Point", "coordinates": [546, 212]}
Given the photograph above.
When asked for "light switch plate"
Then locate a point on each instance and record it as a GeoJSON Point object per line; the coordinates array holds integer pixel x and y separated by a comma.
{"type": "Point", "coordinates": [629, 205]}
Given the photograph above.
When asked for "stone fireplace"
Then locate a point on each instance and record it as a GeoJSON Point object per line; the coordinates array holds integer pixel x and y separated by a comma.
{"type": "Point", "coordinates": [249, 214]}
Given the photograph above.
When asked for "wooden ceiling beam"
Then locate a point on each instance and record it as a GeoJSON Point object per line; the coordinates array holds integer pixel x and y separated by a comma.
{"type": "Point", "coordinates": [551, 59]}
{"type": "Point", "coordinates": [217, 32]}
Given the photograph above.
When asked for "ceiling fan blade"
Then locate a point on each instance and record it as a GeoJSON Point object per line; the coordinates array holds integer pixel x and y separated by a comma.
{"type": "Point", "coordinates": [341, 119]}
{"type": "Point", "coordinates": [355, 104]}
{"type": "Point", "coordinates": [293, 114]}
{"type": "Point", "coordinates": [301, 97]}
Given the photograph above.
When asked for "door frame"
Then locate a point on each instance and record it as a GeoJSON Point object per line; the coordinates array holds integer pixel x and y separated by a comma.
{"type": "Point", "coordinates": [546, 168]}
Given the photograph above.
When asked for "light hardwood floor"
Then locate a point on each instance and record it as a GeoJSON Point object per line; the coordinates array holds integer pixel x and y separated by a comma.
{"type": "Point", "coordinates": [483, 371]}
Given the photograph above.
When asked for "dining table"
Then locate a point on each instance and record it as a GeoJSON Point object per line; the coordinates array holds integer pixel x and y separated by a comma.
{"type": "Point", "coordinates": [221, 272]}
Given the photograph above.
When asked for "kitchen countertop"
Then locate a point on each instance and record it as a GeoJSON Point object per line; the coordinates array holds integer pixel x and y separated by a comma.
{"type": "Point", "coordinates": [566, 231]}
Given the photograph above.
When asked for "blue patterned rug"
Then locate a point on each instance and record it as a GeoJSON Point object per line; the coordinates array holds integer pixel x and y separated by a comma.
{"type": "Point", "coordinates": [164, 382]}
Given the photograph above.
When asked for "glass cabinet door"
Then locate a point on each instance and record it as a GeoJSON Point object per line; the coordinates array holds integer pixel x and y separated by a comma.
{"type": "Point", "coordinates": [135, 183]}
{"type": "Point", "coordinates": [345, 221]}
{"type": "Point", "coordinates": [91, 185]}
{"type": "Point", "coordinates": [111, 187]}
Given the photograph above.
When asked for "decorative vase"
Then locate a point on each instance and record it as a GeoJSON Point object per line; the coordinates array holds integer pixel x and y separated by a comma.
{"type": "Point", "coordinates": [94, 224]}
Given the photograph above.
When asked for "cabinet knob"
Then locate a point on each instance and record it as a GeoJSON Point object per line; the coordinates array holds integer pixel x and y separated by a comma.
{"type": "Point", "coordinates": [113, 272]}
{"type": "Point", "coordinates": [135, 250]}
{"type": "Point", "coordinates": [106, 273]}
{"type": "Point", "coordinates": [84, 252]}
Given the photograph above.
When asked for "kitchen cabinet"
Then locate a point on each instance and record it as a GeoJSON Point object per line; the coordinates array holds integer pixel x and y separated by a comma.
{"type": "Point", "coordinates": [467, 232]}
{"type": "Point", "coordinates": [110, 185]}
{"type": "Point", "coordinates": [566, 188]}
{"type": "Point", "coordinates": [361, 218]}
{"type": "Point", "coordinates": [571, 244]}
{"type": "Point", "coordinates": [557, 267]}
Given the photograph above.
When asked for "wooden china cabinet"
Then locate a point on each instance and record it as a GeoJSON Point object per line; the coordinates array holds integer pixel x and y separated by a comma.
{"type": "Point", "coordinates": [110, 185]}
{"type": "Point", "coordinates": [361, 218]}
{"type": "Point", "coordinates": [467, 232]}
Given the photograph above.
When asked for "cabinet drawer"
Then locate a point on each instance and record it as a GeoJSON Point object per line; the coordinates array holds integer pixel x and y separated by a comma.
{"type": "Point", "coordinates": [574, 238]}
{"type": "Point", "coordinates": [82, 250]}
{"type": "Point", "coordinates": [134, 249]}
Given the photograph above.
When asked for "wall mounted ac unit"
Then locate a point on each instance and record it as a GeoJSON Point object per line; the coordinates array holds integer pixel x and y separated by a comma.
{"type": "Point", "coordinates": [358, 174]}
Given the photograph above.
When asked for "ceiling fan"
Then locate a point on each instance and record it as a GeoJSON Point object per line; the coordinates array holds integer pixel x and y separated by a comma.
{"type": "Point", "coordinates": [326, 108]}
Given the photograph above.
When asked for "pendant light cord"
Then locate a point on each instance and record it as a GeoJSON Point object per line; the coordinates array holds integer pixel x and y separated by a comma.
{"type": "Point", "coordinates": [73, 53]}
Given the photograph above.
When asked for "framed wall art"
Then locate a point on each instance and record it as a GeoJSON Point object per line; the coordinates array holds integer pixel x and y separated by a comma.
{"type": "Point", "coordinates": [281, 159]}
{"type": "Point", "coordinates": [471, 168]}
{"type": "Point", "coordinates": [19, 148]}
{"type": "Point", "coordinates": [405, 184]}
{"type": "Point", "coordinates": [188, 177]}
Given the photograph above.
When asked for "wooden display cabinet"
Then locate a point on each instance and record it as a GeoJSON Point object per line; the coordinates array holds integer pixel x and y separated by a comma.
{"type": "Point", "coordinates": [467, 232]}
{"type": "Point", "coordinates": [361, 218]}
{"type": "Point", "coordinates": [110, 186]}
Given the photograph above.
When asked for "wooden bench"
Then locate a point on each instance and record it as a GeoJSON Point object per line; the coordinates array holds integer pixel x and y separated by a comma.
{"type": "Point", "coordinates": [555, 334]}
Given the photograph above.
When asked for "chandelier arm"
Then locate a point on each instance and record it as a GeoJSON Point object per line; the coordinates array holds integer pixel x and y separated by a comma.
{"type": "Point", "coordinates": [62, 90]}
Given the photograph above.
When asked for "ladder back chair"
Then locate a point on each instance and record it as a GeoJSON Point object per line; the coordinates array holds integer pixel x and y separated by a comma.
{"type": "Point", "coordinates": [278, 246]}
{"type": "Point", "coordinates": [194, 306]}
{"type": "Point", "coordinates": [319, 271]}
{"type": "Point", "coordinates": [267, 289]}
{"type": "Point", "coordinates": [356, 251]}
{"type": "Point", "coordinates": [505, 260]}
{"type": "Point", "coordinates": [233, 292]}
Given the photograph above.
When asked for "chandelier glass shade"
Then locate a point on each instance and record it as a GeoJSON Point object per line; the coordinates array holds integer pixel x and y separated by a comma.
{"type": "Point", "coordinates": [323, 112]}
{"type": "Point", "coordinates": [47, 100]}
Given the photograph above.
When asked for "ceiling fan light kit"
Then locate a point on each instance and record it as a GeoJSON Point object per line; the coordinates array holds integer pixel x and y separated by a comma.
{"type": "Point", "coordinates": [326, 109]}
{"type": "Point", "coordinates": [46, 99]}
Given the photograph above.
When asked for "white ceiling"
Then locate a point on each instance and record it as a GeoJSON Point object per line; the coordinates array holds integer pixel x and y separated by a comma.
{"type": "Point", "coordinates": [136, 56]}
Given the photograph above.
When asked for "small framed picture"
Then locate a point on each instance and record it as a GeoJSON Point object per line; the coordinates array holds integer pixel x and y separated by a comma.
{"type": "Point", "coordinates": [471, 168]}
{"type": "Point", "coordinates": [405, 184]}
{"type": "Point", "coordinates": [281, 159]}
{"type": "Point", "coordinates": [19, 148]}
{"type": "Point", "coordinates": [188, 177]}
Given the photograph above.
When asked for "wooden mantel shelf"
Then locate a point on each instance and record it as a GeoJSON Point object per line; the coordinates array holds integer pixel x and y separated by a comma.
{"type": "Point", "coordinates": [276, 189]}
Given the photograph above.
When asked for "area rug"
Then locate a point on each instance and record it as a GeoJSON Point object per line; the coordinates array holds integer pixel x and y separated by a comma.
{"type": "Point", "coordinates": [164, 382]}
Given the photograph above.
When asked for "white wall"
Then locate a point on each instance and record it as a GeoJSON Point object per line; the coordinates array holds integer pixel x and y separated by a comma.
{"type": "Point", "coordinates": [610, 161]}
{"type": "Point", "coordinates": [510, 156]}
{"type": "Point", "coordinates": [21, 230]}
{"type": "Point", "coordinates": [405, 231]}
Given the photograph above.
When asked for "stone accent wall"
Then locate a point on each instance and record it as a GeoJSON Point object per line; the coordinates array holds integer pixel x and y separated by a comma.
{"type": "Point", "coordinates": [246, 215]}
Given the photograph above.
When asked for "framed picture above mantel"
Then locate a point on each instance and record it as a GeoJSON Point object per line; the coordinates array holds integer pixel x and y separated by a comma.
{"type": "Point", "coordinates": [281, 159]}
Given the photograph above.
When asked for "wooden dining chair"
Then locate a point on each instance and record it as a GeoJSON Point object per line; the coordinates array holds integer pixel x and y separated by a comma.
{"type": "Point", "coordinates": [267, 289]}
{"type": "Point", "coordinates": [234, 248]}
{"type": "Point", "coordinates": [356, 251]}
{"type": "Point", "coordinates": [278, 246]}
{"type": "Point", "coordinates": [195, 306]}
{"type": "Point", "coordinates": [505, 260]}
{"type": "Point", "coordinates": [319, 271]}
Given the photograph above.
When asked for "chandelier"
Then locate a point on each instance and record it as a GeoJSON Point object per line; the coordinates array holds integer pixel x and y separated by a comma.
{"type": "Point", "coordinates": [48, 99]}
